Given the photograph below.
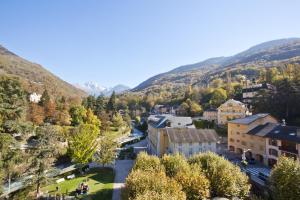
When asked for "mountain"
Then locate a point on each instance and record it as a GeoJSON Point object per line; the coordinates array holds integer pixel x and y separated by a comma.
{"type": "Point", "coordinates": [267, 54]}
{"type": "Point", "coordinates": [94, 88]}
{"type": "Point", "coordinates": [34, 77]}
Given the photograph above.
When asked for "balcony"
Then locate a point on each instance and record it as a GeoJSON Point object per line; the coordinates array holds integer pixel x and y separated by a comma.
{"type": "Point", "coordinates": [287, 149]}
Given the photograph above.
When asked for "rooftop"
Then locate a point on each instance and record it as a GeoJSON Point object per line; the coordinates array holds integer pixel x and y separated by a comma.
{"type": "Point", "coordinates": [277, 131]}
{"type": "Point", "coordinates": [249, 119]}
{"type": "Point", "coordinates": [161, 121]}
{"type": "Point", "coordinates": [191, 135]}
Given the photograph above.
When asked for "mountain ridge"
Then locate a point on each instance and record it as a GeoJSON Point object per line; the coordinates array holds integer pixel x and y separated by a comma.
{"type": "Point", "coordinates": [93, 88]}
{"type": "Point", "coordinates": [267, 53]}
{"type": "Point", "coordinates": [34, 77]}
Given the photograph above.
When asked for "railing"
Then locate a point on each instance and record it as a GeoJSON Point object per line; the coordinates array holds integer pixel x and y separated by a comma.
{"type": "Point", "coordinates": [288, 149]}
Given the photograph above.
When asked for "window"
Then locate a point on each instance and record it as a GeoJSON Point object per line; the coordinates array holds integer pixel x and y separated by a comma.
{"type": "Point", "coordinates": [209, 143]}
{"type": "Point", "coordinates": [237, 140]}
{"type": "Point", "coordinates": [272, 142]}
{"type": "Point", "coordinates": [231, 140]}
{"type": "Point", "coordinates": [237, 133]}
{"type": "Point", "coordinates": [273, 152]}
{"type": "Point", "coordinates": [191, 144]}
{"type": "Point", "coordinates": [191, 151]}
{"type": "Point", "coordinates": [244, 143]}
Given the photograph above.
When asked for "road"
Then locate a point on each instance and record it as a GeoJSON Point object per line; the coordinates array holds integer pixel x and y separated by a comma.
{"type": "Point", "coordinates": [122, 169]}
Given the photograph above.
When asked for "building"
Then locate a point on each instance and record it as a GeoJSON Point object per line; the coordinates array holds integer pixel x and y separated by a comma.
{"type": "Point", "coordinates": [252, 90]}
{"type": "Point", "coordinates": [280, 139]}
{"type": "Point", "coordinates": [186, 141]}
{"type": "Point", "coordinates": [242, 136]}
{"type": "Point", "coordinates": [35, 98]}
{"type": "Point", "coordinates": [156, 124]}
{"type": "Point", "coordinates": [210, 115]}
{"type": "Point", "coordinates": [230, 110]}
{"type": "Point", "coordinates": [190, 141]}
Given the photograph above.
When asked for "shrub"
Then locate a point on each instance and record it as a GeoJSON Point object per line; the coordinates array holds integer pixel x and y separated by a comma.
{"type": "Point", "coordinates": [139, 183]}
{"type": "Point", "coordinates": [174, 163]}
{"type": "Point", "coordinates": [226, 179]}
{"type": "Point", "coordinates": [146, 162]}
{"type": "Point", "coordinates": [152, 195]}
{"type": "Point", "coordinates": [194, 183]}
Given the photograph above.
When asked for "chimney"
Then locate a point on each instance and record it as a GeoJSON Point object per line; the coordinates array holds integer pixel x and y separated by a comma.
{"type": "Point", "coordinates": [283, 122]}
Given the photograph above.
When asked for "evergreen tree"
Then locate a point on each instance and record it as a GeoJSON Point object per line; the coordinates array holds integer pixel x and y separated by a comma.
{"type": "Point", "coordinates": [100, 105]}
{"type": "Point", "coordinates": [45, 98]}
{"type": "Point", "coordinates": [12, 99]}
{"type": "Point", "coordinates": [111, 105]}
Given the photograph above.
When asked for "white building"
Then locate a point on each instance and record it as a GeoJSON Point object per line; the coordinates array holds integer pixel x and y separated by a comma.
{"type": "Point", "coordinates": [190, 141]}
{"type": "Point", "coordinates": [35, 98]}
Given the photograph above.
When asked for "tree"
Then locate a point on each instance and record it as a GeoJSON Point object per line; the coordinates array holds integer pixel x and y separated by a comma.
{"type": "Point", "coordinates": [100, 105]}
{"type": "Point", "coordinates": [89, 102]}
{"type": "Point", "coordinates": [83, 143]}
{"type": "Point", "coordinates": [285, 179]}
{"type": "Point", "coordinates": [62, 118]}
{"type": "Point", "coordinates": [111, 105]}
{"type": "Point", "coordinates": [194, 182]}
{"type": "Point", "coordinates": [78, 115]}
{"type": "Point", "coordinates": [271, 75]}
{"type": "Point", "coordinates": [45, 98]}
{"type": "Point", "coordinates": [146, 162]}
{"type": "Point", "coordinates": [117, 120]}
{"type": "Point", "coordinates": [218, 97]}
{"type": "Point", "coordinates": [36, 114]}
{"type": "Point", "coordinates": [92, 119]}
{"type": "Point", "coordinates": [106, 151]}
{"type": "Point", "coordinates": [50, 109]}
{"type": "Point", "coordinates": [12, 99]}
{"type": "Point", "coordinates": [226, 179]}
{"type": "Point", "coordinates": [173, 164]}
{"type": "Point", "coordinates": [194, 108]}
{"type": "Point", "coordinates": [139, 183]}
{"type": "Point", "coordinates": [45, 151]}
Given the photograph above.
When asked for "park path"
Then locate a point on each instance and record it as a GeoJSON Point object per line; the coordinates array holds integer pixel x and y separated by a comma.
{"type": "Point", "coordinates": [122, 169]}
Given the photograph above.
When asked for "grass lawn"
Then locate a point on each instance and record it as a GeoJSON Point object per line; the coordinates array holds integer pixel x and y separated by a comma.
{"type": "Point", "coordinates": [100, 182]}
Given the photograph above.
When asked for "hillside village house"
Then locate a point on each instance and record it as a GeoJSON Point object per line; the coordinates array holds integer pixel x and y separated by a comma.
{"type": "Point", "coordinates": [210, 115]}
{"type": "Point", "coordinates": [251, 90]}
{"type": "Point", "coordinates": [155, 125]}
{"type": "Point", "coordinates": [239, 139]}
{"type": "Point", "coordinates": [230, 110]}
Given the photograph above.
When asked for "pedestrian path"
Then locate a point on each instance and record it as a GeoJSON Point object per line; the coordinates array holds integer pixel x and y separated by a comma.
{"type": "Point", "coordinates": [122, 169]}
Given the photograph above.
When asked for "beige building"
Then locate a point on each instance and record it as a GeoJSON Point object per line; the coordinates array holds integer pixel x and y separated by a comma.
{"type": "Point", "coordinates": [280, 139]}
{"type": "Point", "coordinates": [230, 110]}
{"type": "Point", "coordinates": [210, 115]}
{"type": "Point", "coordinates": [186, 141]}
{"type": "Point", "coordinates": [157, 140]}
{"type": "Point", "coordinates": [241, 137]}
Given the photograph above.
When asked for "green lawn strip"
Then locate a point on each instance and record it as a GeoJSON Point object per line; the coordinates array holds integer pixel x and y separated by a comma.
{"type": "Point", "coordinates": [100, 182]}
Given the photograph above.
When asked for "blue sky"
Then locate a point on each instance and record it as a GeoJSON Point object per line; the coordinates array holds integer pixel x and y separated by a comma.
{"type": "Point", "coordinates": [128, 41]}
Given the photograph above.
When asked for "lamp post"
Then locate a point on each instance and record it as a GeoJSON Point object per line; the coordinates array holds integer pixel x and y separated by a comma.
{"type": "Point", "coordinates": [244, 156]}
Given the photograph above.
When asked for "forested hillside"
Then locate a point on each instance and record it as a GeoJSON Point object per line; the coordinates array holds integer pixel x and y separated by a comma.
{"type": "Point", "coordinates": [34, 77]}
{"type": "Point", "coordinates": [268, 54]}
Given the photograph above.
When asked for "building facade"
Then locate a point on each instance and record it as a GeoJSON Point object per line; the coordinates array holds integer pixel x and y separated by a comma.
{"type": "Point", "coordinates": [157, 139]}
{"type": "Point", "coordinates": [252, 90]}
{"type": "Point", "coordinates": [231, 110]}
{"type": "Point", "coordinates": [210, 115]}
{"type": "Point", "coordinates": [240, 137]}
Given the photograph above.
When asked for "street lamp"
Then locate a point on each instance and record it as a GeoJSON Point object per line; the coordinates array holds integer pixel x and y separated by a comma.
{"type": "Point", "coordinates": [244, 156]}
